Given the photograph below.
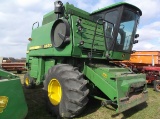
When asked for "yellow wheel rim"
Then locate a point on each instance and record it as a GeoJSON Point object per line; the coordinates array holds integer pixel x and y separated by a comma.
{"type": "Point", "coordinates": [27, 81]}
{"type": "Point", "coordinates": [54, 91]}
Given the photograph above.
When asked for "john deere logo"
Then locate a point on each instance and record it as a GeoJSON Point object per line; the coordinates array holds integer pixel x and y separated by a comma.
{"type": "Point", "coordinates": [3, 103]}
{"type": "Point", "coordinates": [104, 75]}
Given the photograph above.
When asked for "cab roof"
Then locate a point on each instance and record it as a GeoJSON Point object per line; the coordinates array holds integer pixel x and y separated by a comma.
{"type": "Point", "coordinates": [117, 5]}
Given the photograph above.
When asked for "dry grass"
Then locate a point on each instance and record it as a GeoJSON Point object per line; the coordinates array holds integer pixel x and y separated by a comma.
{"type": "Point", "coordinates": [149, 110]}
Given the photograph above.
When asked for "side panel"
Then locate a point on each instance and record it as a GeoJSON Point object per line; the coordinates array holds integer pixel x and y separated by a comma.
{"type": "Point", "coordinates": [119, 55]}
{"type": "Point", "coordinates": [34, 67]}
{"type": "Point", "coordinates": [41, 43]}
{"type": "Point", "coordinates": [86, 35]}
{"type": "Point", "coordinates": [13, 104]}
{"type": "Point", "coordinates": [124, 88]}
{"type": "Point", "coordinates": [48, 64]}
{"type": "Point", "coordinates": [41, 69]}
{"type": "Point", "coordinates": [145, 57]}
{"type": "Point", "coordinates": [39, 66]}
{"type": "Point", "coordinates": [105, 86]}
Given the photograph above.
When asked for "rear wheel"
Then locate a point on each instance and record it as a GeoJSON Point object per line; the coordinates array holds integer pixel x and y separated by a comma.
{"type": "Point", "coordinates": [29, 82]}
{"type": "Point", "coordinates": [66, 92]}
{"type": "Point", "coordinates": [157, 85]}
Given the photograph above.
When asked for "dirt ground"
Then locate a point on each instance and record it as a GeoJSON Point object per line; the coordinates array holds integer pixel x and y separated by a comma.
{"type": "Point", "coordinates": [35, 101]}
{"type": "Point", "coordinates": [94, 110]}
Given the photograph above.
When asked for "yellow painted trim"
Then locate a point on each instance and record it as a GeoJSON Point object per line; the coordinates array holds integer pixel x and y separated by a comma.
{"type": "Point", "coordinates": [35, 47]}
{"type": "Point", "coordinates": [104, 75]}
{"type": "Point", "coordinates": [40, 47]}
{"type": "Point", "coordinates": [54, 91]}
{"type": "Point", "coordinates": [3, 103]}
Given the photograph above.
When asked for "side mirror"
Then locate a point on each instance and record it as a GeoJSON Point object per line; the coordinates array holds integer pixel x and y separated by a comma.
{"type": "Point", "coordinates": [135, 41]}
{"type": "Point", "coordinates": [137, 35]}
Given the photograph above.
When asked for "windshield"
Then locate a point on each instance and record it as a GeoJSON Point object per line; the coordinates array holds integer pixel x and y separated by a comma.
{"type": "Point", "coordinates": [111, 18]}
{"type": "Point", "coordinates": [119, 28]}
{"type": "Point", "coordinates": [126, 31]}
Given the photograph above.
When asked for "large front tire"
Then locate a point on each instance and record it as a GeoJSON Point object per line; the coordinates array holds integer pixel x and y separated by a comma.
{"type": "Point", "coordinates": [66, 92]}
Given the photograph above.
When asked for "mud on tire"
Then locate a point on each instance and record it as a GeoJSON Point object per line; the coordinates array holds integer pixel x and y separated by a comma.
{"type": "Point", "coordinates": [74, 91]}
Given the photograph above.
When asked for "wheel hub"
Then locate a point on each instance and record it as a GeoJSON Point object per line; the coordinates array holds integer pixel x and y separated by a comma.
{"type": "Point", "coordinates": [54, 91]}
{"type": "Point", "coordinates": [27, 81]}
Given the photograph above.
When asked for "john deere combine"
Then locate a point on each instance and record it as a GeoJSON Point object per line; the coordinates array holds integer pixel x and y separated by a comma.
{"type": "Point", "coordinates": [72, 54]}
{"type": "Point", "coordinates": [12, 101]}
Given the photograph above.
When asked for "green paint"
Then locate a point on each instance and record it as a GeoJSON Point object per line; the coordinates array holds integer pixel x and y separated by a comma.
{"type": "Point", "coordinates": [7, 75]}
{"type": "Point", "coordinates": [48, 64]}
{"type": "Point", "coordinates": [41, 70]}
{"type": "Point", "coordinates": [115, 82]}
{"type": "Point", "coordinates": [34, 67]}
{"type": "Point", "coordinates": [16, 107]}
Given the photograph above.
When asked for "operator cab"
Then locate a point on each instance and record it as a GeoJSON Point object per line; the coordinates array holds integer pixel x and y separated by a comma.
{"type": "Point", "coordinates": [120, 23]}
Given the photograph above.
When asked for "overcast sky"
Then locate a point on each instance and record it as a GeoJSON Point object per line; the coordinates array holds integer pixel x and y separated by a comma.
{"type": "Point", "coordinates": [17, 17]}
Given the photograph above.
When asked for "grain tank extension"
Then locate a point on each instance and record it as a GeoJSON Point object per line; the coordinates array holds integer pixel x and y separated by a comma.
{"type": "Point", "coordinates": [72, 54]}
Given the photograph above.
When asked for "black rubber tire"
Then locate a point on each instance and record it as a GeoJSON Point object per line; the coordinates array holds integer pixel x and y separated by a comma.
{"type": "Point", "coordinates": [31, 83]}
{"type": "Point", "coordinates": [157, 85]}
{"type": "Point", "coordinates": [74, 91]}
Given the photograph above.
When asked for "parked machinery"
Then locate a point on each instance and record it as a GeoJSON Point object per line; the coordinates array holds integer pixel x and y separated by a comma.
{"type": "Point", "coordinates": [72, 54]}
{"type": "Point", "coordinates": [152, 76]}
{"type": "Point", "coordinates": [147, 62]}
{"type": "Point", "coordinates": [12, 64]}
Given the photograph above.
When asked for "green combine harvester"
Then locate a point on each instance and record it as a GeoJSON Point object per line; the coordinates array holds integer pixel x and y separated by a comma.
{"type": "Point", "coordinates": [73, 51]}
{"type": "Point", "coordinates": [12, 100]}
